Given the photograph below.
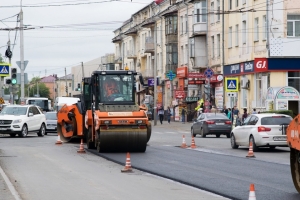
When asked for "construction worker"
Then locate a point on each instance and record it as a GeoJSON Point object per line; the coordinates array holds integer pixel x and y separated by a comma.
{"type": "Point", "coordinates": [111, 90]}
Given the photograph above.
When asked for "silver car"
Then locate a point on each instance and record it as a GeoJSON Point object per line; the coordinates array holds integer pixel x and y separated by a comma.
{"type": "Point", "coordinates": [51, 119]}
{"type": "Point", "coordinates": [211, 124]}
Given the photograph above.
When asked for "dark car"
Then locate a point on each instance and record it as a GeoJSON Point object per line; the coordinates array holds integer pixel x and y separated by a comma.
{"type": "Point", "coordinates": [211, 124]}
{"type": "Point", "coordinates": [51, 118]}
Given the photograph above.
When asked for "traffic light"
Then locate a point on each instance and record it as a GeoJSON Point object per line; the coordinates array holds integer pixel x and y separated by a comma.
{"type": "Point", "coordinates": [78, 87]}
{"type": "Point", "coordinates": [8, 81]}
{"type": "Point", "coordinates": [66, 89]}
{"type": "Point", "coordinates": [13, 76]}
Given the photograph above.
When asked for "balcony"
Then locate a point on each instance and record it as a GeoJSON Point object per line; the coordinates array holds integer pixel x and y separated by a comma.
{"type": "Point", "coordinates": [131, 54]}
{"type": "Point", "coordinates": [199, 29]}
{"type": "Point", "coordinates": [117, 39]}
{"type": "Point", "coordinates": [147, 73]}
{"type": "Point", "coordinates": [171, 67]}
{"type": "Point", "coordinates": [118, 60]}
{"type": "Point", "coordinates": [149, 45]}
{"type": "Point", "coordinates": [171, 38]}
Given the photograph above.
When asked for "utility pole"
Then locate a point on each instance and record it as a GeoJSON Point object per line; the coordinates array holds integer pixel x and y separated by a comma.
{"type": "Point", "coordinates": [66, 82]}
{"type": "Point", "coordinates": [11, 97]}
{"type": "Point", "coordinates": [82, 69]}
{"type": "Point", "coordinates": [154, 114]}
{"type": "Point", "coordinates": [22, 55]}
{"type": "Point", "coordinates": [37, 88]}
{"type": "Point", "coordinates": [223, 48]}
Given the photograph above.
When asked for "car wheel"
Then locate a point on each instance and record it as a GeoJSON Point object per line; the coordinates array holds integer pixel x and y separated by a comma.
{"type": "Point", "coordinates": [193, 133]}
{"type": "Point", "coordinates": [255, 148]}
{"type": "Point", "coordinates": [233, 143]}
{"type": "Point", "coordinates": [42, 131]}
{"type": "Point", "coordinates": [24, 131]}
{"type": "Point", "coordinates": [89, 143]}
{"type": "Point", "coordinates": [202, 133]}
{"type": "Point", "coordinates": [217, 135]}
{"type": "Point", "coordinates": [12, 135]}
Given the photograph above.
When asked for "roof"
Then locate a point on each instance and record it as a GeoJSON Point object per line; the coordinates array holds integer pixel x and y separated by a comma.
{"type": "Point", "coordinates": [69, 77]}
{"type": "Point", "coordinates": [48, 79]}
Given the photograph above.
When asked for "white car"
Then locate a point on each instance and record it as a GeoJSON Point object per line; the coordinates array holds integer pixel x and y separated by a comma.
{"type": "Point", "coordinates": [263, 130]}
{"type": "Point", "coordinates": [21, 119]}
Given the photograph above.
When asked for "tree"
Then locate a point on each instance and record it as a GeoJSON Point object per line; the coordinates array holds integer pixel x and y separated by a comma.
{"type": "Point", "coordinates": [43, 90]}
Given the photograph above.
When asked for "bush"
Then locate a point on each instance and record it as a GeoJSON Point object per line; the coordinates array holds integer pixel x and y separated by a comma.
{"type": "Point", "coordinates": [285, 112]}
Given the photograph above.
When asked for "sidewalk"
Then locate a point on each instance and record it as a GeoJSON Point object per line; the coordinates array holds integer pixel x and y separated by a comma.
{"type": "Point", "coordinates": [5, 193]}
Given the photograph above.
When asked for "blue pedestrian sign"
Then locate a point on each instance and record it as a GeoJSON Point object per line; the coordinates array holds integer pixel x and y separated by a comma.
{"type": "Point", "coordinates": [208, 73]}
{"type": "Point", "coordinates": [171, 75]}
{"type": "Point", "coordinates": [231, 85]}
{"type": "Point", "coordinates": [4, 69]}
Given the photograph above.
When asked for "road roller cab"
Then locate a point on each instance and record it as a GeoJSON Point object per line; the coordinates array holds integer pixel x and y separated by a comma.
{"type": "Point", "coordinates": [107, 116]}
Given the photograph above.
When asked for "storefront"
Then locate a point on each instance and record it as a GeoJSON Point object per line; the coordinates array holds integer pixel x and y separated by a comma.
{"type": "Point", "coordinates": [283, 98]}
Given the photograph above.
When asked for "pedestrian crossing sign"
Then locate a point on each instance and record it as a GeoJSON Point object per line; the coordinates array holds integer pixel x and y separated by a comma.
{"type": "Point", "coordinates": [231, 84]}
{"type": "Point", "coordinates": [4, 69]}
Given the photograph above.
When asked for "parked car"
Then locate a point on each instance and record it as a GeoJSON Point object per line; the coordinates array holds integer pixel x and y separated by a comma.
{"type": "Point", "coordinates": [263, 130]}
{"type": "Point", "coordinates": [22, 119]}
{"type": "Point", "coordinates": [51, 124]}
{"type": "Point", "coordinates": [211, 124]}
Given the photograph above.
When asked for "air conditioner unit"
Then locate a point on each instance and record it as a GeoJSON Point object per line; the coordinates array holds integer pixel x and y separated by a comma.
{"type": "Point", "coordinates": [245, 84]}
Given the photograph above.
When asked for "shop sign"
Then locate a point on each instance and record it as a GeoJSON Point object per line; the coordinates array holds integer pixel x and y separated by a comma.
{"type": "Point", "coordinates": [192, 87]}
{"type": "Point", "coordinates": [247, 67]}
{"type": "Point", "coordinates": [180, 94]}
{"type": "Point", "coordinates": [239, 68]}
{"type": "Point", "coordinates": [287, 93]}
{"type": "Point", "coordinates": [270, 93]}
{"type": "Point", "coordinates": [182, 72]}
{"type": "Point", "coordinates": [216, 78]}
{"type": "Point", "coordinates": [261, 64]}
{"type": "Point", "coordinates": [282, 105]}
{"type": "Point", "coordinates": [196, 82]}
{"type": "Point", "coordinates": [196, 75]}
{"type": "Point", "coordinates": [151, 81]}
{"type": "Point", "coordinates": [190, 99]}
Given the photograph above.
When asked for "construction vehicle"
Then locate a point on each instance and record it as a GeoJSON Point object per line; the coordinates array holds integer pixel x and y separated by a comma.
{"type": "Point", "coordinates": [107, 116]}
{"type": "Point", "coordinates": [293, 141]}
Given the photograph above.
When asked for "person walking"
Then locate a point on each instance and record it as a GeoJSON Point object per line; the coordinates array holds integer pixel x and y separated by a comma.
{"type": "Point", "coordinates": [229, 113]}
{"type": "Point", "coordinates": [225, 110]}
{"type": "Point", "coordinates": [183, 112]}
{"type": "Point", "coordinates": [169, 114]}
{"type": "Point", "coordinates": [254, 111]}
{"type": "Point", "coordinates": [213, 109]}
{"type": "Point", "coordinates": [245, 114]}
{"type": "Point", "coordinates": [161, 114]}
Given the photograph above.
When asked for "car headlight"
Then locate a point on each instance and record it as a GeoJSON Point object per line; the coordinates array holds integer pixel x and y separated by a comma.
{"type": "Point", "coordinates": [17, 121]}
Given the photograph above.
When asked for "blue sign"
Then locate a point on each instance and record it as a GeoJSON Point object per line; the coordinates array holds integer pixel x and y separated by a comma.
{"type": "Point", "coordinates": [4, 69]}
{"type": "Point", "coordinates": [239, 68]}
{"type": "Point", "coordinates": [208, 73]}
{"type": "Point", "coordinates": [171, 75]}
{"type": "Point", "coordinates": [231, 84]}
{"type": "Point", "coordinates": [283, 64]}
{"type": "Point", "coordinates": [151, 81]}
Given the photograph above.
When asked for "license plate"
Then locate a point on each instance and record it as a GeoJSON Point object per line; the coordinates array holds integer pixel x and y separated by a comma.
{"type": "Point", "coordinates": [279, 138]}
{"type": "Point", "coordinates": [3, 129]}
{"type": "Point", "coordinates": [122, 121]}
{"type": "Point", "coordinates": [219, 123]}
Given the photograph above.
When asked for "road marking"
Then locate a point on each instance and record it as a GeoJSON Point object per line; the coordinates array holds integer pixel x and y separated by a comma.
{"type": "Point", "coordinates": [10, 185]}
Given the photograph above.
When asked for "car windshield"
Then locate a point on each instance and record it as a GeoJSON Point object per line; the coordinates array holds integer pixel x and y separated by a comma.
{"type": "Point", "coordinates": [275, 120]}
{"type": "Point", "coordinates": [51, 116]}
{"type": "Point", "coordinates": [216, 115]}
{"type": "Point", "coordinates": [10, 110]}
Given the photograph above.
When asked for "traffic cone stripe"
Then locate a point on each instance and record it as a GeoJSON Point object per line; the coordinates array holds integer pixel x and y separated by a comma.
{"type": "Point", "coordinates": [252, 193]}
{"type": "Point", "coordinates": [127, 167]}
{"type": "Point", "coordinates": [58, 141]}
{"type": "Point", "coordinates": [183, 145]}
{"type": "Point", "coordinates": [81, 149]}
{"type": "Point", "coordinates": [250, 152]}
{"type": "Point", "coordinates": [193, 145]}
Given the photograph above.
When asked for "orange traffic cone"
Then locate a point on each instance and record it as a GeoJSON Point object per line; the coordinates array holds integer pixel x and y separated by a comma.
{"type": "Point", "coordinates": [183, 145]}
{"type": "Point", "coordinates": [58, 141]}
{"type": "Point", "coordinates": [127, 167]}
{"type": "Point", "coordinates": [252, 192]}
{"type": "Point", "coordinates": [250, 152]}
{"type": "Point", "coordinates": [193, 145]}
{"type": "Point", "coordinates": [81, 149]}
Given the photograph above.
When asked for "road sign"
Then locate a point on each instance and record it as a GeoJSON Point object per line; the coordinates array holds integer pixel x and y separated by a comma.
{"type": "Point", "coordinates": [208, 73]}
{"type": "Point", "coordinates": [231, 84]}
{"type": "Point", "coordinates": [171, 75]}
{"type": "Point", "coordinates": [25, 64]}
{"type": "Point", "coordinates": [4, 69]}
{"type": "Point", "coordinates": [1, 101]}
{"type": "Point", "coordinates": [232, 94]}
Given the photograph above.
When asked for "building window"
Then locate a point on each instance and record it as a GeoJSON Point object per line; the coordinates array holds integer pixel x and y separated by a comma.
{"type": "Point", "coordinates": [181, 55]}
{"type": "Point", "coordinates": [181, 21]}
{"type": "Point", "coordinates": [218, 10]}
{"type": "Point", "coordinates": [237, 35]}
{"type": "Point", "coordinates": [244, 1]}
{"type": "Point", "coordinates": [230, 4]}
{"type": "Point", "coordinates": [192, 47]}
{"type": "Point", "coordinates": [265, 28]}
{"type": "Point", "coordinates": [158, 35]}
{"type": "Point", "coordinates": [294, 80]}
{"type": "Point", "coordinates": [186, 54]}
{"type": "Point", "coordinates": [237, 3]}
{"type": "Point", "coordinates": [230, 37]}
{"type": "Point", "coordinates": [212, 46]}
{"type": "Point", "coordinates": [70, 84]}
{"type": "Point", "coordinates": [70, 94]}
{"type": "Point", "coordinates": [171, 25]}
{"type": "Point", "coordinates": [244, 95]}
{"type": "Point", "coordinates": [172, 54]}
{"type": "Point", "coordinates": [293, 25]}
{"type": "Point", "coordinates": [218, 45]}
{"type": "Point", "coordinates": [244, 32]}
{"type": "Point", "coordinates": [212, 20]}
{"type": "Point", "coordinates": [186, 23]}
{"type": "Point", "coordinates": [201, 12]}
{"type": "Point", "coordinates": [256, 29]}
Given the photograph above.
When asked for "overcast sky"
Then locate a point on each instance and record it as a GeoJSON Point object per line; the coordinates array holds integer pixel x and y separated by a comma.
{"type": "Point", "coordinates": [71, 34]}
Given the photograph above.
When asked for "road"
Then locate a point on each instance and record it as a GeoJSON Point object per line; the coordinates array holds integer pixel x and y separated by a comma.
{"type": "Point", "coordinates": [213, 166]}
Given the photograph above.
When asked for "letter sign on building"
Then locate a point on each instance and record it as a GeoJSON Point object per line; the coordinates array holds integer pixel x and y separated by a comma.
{"type": "Point", "coordinates": [261, 64]}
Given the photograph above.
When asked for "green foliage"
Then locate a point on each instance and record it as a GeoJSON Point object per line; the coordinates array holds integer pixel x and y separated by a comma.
{"type": "Point", "coordinates": [285, 112]}
{"type": "Point", "coordinates": [43, 90]}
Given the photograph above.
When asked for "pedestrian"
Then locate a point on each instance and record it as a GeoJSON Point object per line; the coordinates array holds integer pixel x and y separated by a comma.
{"type": "Point", "coordinates": [183, 112]}
{"type": "Point", "coordinates": [213, 110]}
{"type": "Point", "coordinates": [229, 113]}
{"type": "Point", "coordinates": [169, 114]}
{"type": "Point", "coordinates": [161, 114]}
{"type": "Point", "coordinates": [245, 114]}
{"type": "Point", "coordinates": [225, 110]}
{"type": "Point", "coordinates": [254, 111]}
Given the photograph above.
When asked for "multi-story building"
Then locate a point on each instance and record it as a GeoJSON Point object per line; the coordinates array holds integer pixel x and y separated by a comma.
{"type": "Point", "coordinates": [64, 86]}
{"type": "Point", "coordinates": [49, 81]}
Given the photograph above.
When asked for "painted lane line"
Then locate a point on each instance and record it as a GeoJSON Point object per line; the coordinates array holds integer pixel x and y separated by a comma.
{"type": "Point", "coordinates": [10, 185]}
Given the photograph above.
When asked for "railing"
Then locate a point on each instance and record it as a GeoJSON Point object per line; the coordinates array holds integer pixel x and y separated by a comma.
{"type": "Point", "coordinates": [171, 67]}
{"type": "Point", "coordinates": [130, 54]}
